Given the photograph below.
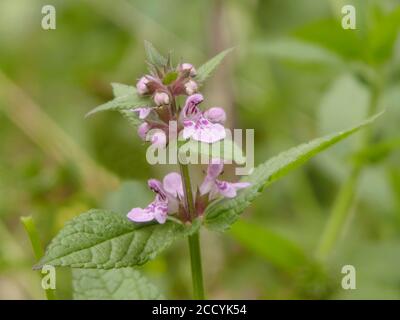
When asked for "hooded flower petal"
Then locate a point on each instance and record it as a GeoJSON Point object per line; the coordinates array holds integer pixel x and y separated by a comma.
{"type": "Point", "coordinates": [190, 110]}
{"type": "Point", "coordinates": [213, 171]}
{"type": "Point", "coordinates": [172, 184]}
{"type": "Point", "coordinates": [216, 115]}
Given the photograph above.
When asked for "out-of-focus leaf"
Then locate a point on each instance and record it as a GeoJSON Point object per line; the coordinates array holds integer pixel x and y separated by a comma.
{"type": "Point", "coordinates": [153, 56]}
{"type": "Point", "coordinates": [204, 71]}
{"type": "Point", "coordinates": [330, 35]}
{"type": "Point", "coordinates": [220, 214]}
{"type": "Point", "coordinates": [298, 51]}
{"type": "Point", "coordinates": [278, 250]}
{"type": "Point", "coordinates": [130, 194]}
{"type": "Point", "coordinates": [104, 239]}
{"type": "Point", "coordinates": [383, 36]}
{"type": "Point", "coordinates": [114, 284]}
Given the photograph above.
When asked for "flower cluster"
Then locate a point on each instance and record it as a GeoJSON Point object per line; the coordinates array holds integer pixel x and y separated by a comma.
{"type": "Point", "coordinates": [164, 85]}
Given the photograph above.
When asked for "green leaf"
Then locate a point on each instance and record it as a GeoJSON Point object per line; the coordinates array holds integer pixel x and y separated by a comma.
{"type": "Point", "coordinates": [225, 149]}
{"type": "Point", "coordinates": [204, 71]}
{"type": "Point", "coordinates": [298, 51]}
{"type": "Point", "coordinates": [153, 56]}
{"type": "Point", "coordinates": [120, 89]}
{"type": "Point", "coordinates": [114, 284]}
{"type": "Point", "coordinates": [125, 99]}
{"type": "Point", "coordinates": [170, 77]}
{"type": "Point", "coordinates": [281, 252]}
{"type": "Point", "coordinates": [220, 214]}
{"type": "Point", "coordinates": [104, 239]}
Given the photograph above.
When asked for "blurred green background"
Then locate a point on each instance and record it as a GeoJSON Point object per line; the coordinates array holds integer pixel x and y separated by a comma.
{"type": "Point", "coordinates": [295, 74]}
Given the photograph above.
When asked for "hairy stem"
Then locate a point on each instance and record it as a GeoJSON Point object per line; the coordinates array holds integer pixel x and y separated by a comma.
{"type": "Point", "coordinates": [33, 234]}
{"type": "Point", "coordinates": [194, 243]}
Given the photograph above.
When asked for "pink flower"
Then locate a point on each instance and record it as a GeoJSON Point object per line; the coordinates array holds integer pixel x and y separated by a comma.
{"type": "Point", "coordinates": [196, 125]}
{"type": "Point", "coordinates": [158, 138]}
{"type": "Point", "coordinates": [216, 115]}
{"type": "Point", "coordinates": [168, 195]}
{"type": "Point", "coordinates": [213, 186]}
{"type": "Point", "coordinates": [161, 98]}
{"type": "Point", "coordinates": [142, 112]}
{"type": "Point", "coordinates": [190, 87]}
{"type": "Point", "coordinates": [141, 86]}
{"type": "Point", "coordinates": [143, 129]}
{"type": "Point", "coordinates": [187, 67]}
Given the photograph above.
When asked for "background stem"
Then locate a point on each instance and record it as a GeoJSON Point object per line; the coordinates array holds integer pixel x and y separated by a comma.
{"type": "Point", "coordinates": [31, 230]}
{"type": "Point", "coordinates": [342, 206]}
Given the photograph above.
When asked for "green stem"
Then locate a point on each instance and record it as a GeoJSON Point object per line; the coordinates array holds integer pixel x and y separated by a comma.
{"type": "Point", "coordinates": [194, 243]}
{"type": "Point", "coordinates": [33, 234]}
{"type": "Point", "coordinates": [339, 214]}
{"type": "Point", "coordinates": [342, 206]}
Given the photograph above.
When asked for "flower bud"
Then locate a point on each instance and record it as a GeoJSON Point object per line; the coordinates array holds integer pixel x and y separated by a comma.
{"type": "Point", "coordinates": [161, 98]}
{"type": "Point", "coordinates": [159, 139]}
{"type": "Point", "coordinates": [191, 87]}
{"type": "Point", "coordinates": [215, 115]}
{"type": "Point", "coordinates": [142, 130]}
{"type": "Point", "coordinates": [141, 86]}
{"type": "Point", "coordinates": [187, 67]}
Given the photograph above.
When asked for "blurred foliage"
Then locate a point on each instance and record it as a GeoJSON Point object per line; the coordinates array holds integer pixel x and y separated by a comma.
{"type": "Point", "coordinates": [294, 74]}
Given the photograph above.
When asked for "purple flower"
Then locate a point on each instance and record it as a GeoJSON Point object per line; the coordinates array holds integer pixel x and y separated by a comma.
{"type": "Point", "coordinates": [213, 186]}
{"type": "Point", "coordinates": [191, 87]}
{"type": "Point", "coordinates": [196, 125]}
{"type": "Point", "coordinates": [216, 115]}
{"type": "Point", "coordinates": [168, 195]}
{"type": "Point", "coordinates": [143, 129]}
{"type": "Point", "coordinates": [188, 68]}
{"type": "Point", "coordinates": [161, 98]}
{"type": "Point", "coordinates": [141, 86]}
{"type": "Point", "coordinates": [142, 112]}
{"type": "Point", "coordinates": [158, 138]}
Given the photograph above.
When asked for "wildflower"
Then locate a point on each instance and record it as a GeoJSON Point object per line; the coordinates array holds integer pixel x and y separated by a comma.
{"type": "Point", "coordinates": [196, 125]}
{"type": "Point", "coordinates": [142, 112]}
{"type": "Point", "coordinates": [168, 195]}
{"type": "Point", "coordinates": [161, 98]}
{"type": "Point", "coordinates": [216, 115]}
{"type": "Point", "coordinates": [143, 129]}
{"type": "Point", "coordinates": [188, 68]}
{"type": "Point", "coordinates": [213, 186]}
{"type": "Point", "coordinates": [191, 87]}
{"type": "Point", "coordinates": [141, 86]}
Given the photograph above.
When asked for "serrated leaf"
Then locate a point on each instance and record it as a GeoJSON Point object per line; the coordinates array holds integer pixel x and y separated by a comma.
{"type": "Point", "coordinates": [114, 284]}
{"type": "Point", "coordinates": [298, 51]}
{"type": "Point", "coordinates": [220, 214]}
{"type": "Point", "coordinates": [125, 99]}
{"type": "Point", "coordinates": [105, 239]}
{"type": "Point", "coordinates": [153, 56]}
{"type": "Point", "coordinates": [204, 71]}
{"type": "Point", "coordinates": [120, 89]}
